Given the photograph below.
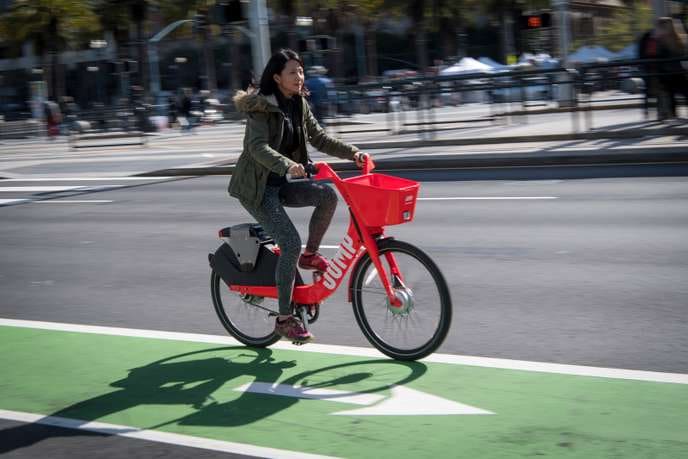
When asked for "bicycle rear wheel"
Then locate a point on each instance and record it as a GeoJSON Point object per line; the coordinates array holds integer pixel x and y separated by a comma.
{"type": "Point", "coordinates": [419, 326]}
{"type": "Point", "coordinates": [245, 321]}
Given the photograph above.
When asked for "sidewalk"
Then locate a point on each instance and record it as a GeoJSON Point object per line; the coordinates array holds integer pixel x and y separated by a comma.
{"type": "Point", "coordinates": [463, 137]}
{"type": "Point", "coordinates": [621, 137]}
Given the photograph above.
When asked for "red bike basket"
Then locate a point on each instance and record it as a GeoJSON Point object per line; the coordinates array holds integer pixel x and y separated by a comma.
{"type": "Point", "coordinates": [381, 200]}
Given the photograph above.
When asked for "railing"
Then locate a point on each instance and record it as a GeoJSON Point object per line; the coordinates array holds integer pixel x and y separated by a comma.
{"type": "Point", "coordinates": [570, 89]}
{"type": "Point", "coordinates": [409, 104]}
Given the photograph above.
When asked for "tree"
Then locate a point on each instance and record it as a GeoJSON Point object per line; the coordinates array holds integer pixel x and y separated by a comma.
{"type": "Point", "coordinates": [53, 26]}
{"type": "Point", "coordinates": [623, 27]}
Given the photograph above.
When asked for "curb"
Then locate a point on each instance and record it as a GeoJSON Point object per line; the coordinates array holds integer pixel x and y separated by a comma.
{"type": "Point", "coordinates": [669, 155]}
{"type": "Point", "coordinates": [593, 135]}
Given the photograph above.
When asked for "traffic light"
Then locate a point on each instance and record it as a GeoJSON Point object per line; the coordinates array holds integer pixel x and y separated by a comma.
{"type": "Point", "coordinates": [536, 21]}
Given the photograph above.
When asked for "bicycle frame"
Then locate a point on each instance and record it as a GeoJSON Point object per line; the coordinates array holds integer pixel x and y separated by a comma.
{"type": "Point", "coordinates": [359, 239]}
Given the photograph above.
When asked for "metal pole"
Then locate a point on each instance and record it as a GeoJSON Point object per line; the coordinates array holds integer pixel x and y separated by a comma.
{"type": "Point", "coordinates": [659, 8]}
{"type": "Point", "coordinates": [153, 56]}
{"type": "Point", "coordinates": [562, 7]}
{"type": "Point", "coordinates": [154, 73]}
{"type": "Point", "coordinates": [260, 41]}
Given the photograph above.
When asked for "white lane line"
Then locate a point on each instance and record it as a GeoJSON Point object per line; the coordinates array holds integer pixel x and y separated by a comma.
{"type": "Point", "coordinates": [33, 189]}
{"type": "Point", "coordinates": [81, 179]}
{"type": "Point", "coordinates": [12, 201]}
{"type": "Point", "coordinates": [504, 364]}
{"type": "Point", "coordinates": [487, 198]}
{"type": "Point", "coordinates": [156, 436]}
{"type": "Point", "coordinates": [75, 201]}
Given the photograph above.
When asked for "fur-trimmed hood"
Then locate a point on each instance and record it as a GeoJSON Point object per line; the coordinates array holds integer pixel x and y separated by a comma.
{"type": "Point", "coordinates": [254, 102]}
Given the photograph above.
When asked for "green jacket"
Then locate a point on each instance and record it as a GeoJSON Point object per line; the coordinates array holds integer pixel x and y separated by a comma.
{"type": "Point", "coordinates": [262, 139]}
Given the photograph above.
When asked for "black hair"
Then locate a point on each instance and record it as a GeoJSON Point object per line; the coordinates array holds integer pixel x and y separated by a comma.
{"type": "Point", "coordinates": [275, 65]}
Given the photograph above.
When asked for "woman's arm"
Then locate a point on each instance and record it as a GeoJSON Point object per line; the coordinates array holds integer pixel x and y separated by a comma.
{"type": "Point", "coordinates": [323, 142]}
{"type": "Point", "coordinates": [258, 144]}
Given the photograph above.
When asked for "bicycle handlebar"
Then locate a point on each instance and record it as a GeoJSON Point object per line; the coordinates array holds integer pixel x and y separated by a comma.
{"type": "Point", "coordinates": [322, 170]}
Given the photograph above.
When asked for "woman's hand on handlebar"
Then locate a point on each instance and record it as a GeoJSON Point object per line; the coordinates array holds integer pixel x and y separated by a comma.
{"type": "Point", "coordinates": [296, 170]}
{"type": "Point", "coordinates": [360, 158]}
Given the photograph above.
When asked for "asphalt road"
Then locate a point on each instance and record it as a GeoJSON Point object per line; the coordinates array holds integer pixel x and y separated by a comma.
{"type": "Point", "coordinates": [587, 271]}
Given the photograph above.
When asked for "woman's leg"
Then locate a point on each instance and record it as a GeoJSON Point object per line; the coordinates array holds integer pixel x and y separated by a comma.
{"type": "Point", "coordinates": [318, 195]}
{"type": "Point", "coordinates": [276, 222]}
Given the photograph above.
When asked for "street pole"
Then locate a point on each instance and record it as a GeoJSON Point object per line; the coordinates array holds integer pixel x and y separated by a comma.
{"type": "Point", "coordinates": [154, 72]}
{"type": "Point", "coordinates": [260, 39]}
{"type": "Point", "coordinates": [659, 8]}
{"type": "Point", "coordinates": [562, 7]}
{"type": "Point", "coordinates": [153, 57]}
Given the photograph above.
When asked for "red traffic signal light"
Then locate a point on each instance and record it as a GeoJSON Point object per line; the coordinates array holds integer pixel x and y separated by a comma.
{"type": "Point", "coordinates": [536, 21]}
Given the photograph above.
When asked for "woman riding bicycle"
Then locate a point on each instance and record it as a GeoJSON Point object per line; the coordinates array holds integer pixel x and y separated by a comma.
{"type": "Point", "coordinates": [279, 121]}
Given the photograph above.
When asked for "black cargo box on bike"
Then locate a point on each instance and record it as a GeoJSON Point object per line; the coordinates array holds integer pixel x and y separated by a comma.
{"type": "Point", "coordinates": [244, 259]}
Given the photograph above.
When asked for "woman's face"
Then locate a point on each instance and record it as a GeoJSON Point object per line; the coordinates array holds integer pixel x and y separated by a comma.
{"type": "Point", "coordinates": [290, 80]}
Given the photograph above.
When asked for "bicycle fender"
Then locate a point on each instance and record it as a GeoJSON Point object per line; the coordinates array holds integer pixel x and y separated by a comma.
{"type": "Point", "coordinates": [381, 243]}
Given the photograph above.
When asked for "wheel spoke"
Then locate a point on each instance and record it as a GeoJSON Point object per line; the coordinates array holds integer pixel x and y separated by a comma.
{"type": "Point", "coordinates": [418, 326]}
{"type": "Point", "coordinates": [249, 323]}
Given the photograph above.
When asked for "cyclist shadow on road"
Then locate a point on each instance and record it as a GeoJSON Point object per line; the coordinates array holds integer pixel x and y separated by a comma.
{"type": "Point", "coordinates": [188, 386]}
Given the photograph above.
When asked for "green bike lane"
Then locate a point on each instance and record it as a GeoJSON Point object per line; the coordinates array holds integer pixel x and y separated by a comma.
{"type": "Point", "coordinates": [290, 402]}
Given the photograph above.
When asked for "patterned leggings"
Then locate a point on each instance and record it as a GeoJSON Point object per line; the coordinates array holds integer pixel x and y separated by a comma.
{"type": "Point", "coordinates": [274, 219]}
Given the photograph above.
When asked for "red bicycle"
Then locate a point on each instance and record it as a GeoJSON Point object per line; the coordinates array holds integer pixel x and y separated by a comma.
{"type": "Point", "coordinates": [399, 296]}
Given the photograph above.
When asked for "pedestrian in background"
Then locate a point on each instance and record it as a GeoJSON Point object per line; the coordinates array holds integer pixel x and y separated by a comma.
{"type": "Point", "coordinates": [672, 43]}
{"type": "Point", "coordinates": [185, 120]}
{"type": "Point", "coordinates": [647, 49]}
{"type": "Point", "coordinates": [321, 89]}
{"type": "Point", "coordinates": [171, 111]}
{"type": "Point", "coordinates": [53, 118]}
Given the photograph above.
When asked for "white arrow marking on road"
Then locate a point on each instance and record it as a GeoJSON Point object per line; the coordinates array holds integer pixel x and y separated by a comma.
{"type": "Point", "coordinates": [402, 402]}
{"type": "Point", "coordinates": [411, 402]}
{"type": "Point", "coordinates": [310, 393]}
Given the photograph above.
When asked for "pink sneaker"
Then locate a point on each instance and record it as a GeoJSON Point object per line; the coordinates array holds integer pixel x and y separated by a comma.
{"type": "Point", "coordinates": [293, 330]}
{"type": "Point", "coordinates": [313, 261]}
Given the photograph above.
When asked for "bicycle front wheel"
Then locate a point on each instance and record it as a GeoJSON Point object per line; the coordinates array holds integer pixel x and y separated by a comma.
{"type": "Point", "coordinates": [417, 327]}
{"type": "Point", "coordinates": [246, 319]}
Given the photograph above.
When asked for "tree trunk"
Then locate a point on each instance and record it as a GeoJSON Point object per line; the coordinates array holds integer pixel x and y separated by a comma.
{"type": "Point", "coordinates": [371, 48]}
{"type": "Point", "coordinates": [143, 59]}
{"type": "Point", "coordinates": [235, 48]}
{"type": "Point", "coordinates": [417, 13]}
{"type": "Point", "coordinates": [47, 63]}
{"type": "Point", "coordinates": [209, 59]}
{"type": "Point", "coordinates": [421, 46]}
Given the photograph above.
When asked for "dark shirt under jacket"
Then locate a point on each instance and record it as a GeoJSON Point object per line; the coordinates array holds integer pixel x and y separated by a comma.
{"type": "Point", "coordinates": [291, 132]}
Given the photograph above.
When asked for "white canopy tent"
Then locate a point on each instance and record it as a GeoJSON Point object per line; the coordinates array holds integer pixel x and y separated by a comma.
{"type": "Point", "coordinates": [493, 64]}
{"type": "Point", "coordinates": [466, 66]}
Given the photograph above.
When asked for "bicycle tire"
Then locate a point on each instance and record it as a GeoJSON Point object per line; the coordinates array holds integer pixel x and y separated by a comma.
{"type": "Point", "coordinates": [231, 323]}
{"type": "Point", "coordinates": [378, 321]}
